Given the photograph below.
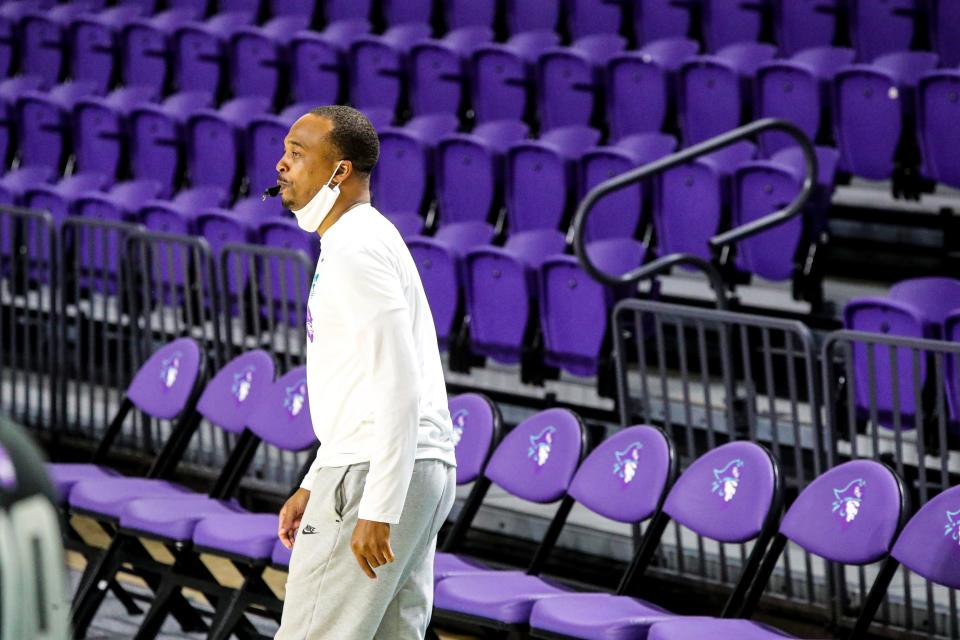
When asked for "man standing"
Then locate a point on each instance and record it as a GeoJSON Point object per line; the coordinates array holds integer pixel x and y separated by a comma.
{"type": "Point", "coordinates": [366, 516]}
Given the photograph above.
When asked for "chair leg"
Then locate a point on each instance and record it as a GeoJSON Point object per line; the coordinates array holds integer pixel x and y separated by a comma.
{"type": "Point", "coordinates": [229, 611]}
{"type": "Point", "coordinates": [125, 599]}
{"type": "Point", "coordinates": [91, 594]}
{"type": "Point", "coordinates": [180, 608]}
{"type": "Point", "coordinates": [159, 610]}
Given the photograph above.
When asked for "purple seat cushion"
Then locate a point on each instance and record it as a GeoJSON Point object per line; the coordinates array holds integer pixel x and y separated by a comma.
{"type": "Point", "coordinates": [66, 474]}
{"type": "Point", "coordinates": [683, 628]}
{"type": "Point", "coordinates": [107, 496]}
{"type": "Point", "coordinates": [597, 616]}
{"type": "Point", "coordinates": [172, 517]}
{"type": "Point", "coordinates": [252, 535]}
{"type": "Point", "coordinates": [408, 224]}
{"type": "Point", "coordinates": [446, 565]}
{"type": "Point", "coordinates": [280, 555]}
{"type": "Point", "coordinates": [505, 596]}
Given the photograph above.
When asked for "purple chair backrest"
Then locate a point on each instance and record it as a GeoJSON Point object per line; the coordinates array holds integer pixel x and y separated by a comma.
{"type": "Point", "coordinates": [727, 493]}
{"type": "Point", "coordinates": [469, 13]}
{"type": "Point", "coordinates": [532, 15]}
{"type": "Point", "coordinates": [41, 131]}
{"type": "Point", "coordinates": [537, 459]}
{"type": "Point", "coordinates": [213, 146]}
{"type": "Point", "coordinates": [861, 91]}
{"type": "Point", "coordinates": [803, 25]}
{"type": "Point", "coordinates": [790, 92]}
{"type": "Point", "coordinates": [935, 297]}
{"type": "Point", "coordinates": [315, 69]}
{"type": "Point", "coordinates": [688, 208]}
{"type": "Point", "coordinates": [264, 147]}
{"type": "Point", "coordinates": [728, 21]}
{"type": "Point", "coordinates": [877, 28]}
{"type": "Point", "coordinates": [944, 27]}
{"type": "Point", "coordinates": [929, 544]}
{"type": "Point", "coordinates": [399, 181]}
{"type": "Point", "coordinates": [376, 74]}
{"type": "Point", "coordinates": [880, 315]}
{"type": "Point", "coordinates": [468, 173]}
{"type": "Point", "coordinates": [938, 110]}
{"type": "Point", "coordinates": [951, 333]}
{"type": "Point", "coordinates": [164, 383]}
{"type": "Point", "coordinates": [282, 418]}
{"type": "Point", "coordinates": [637, 95]}
{"type": "Point", "coordinates": [849, 514]}
{"type": "Point", "coordinates": [625, 478]}
{"type": "Point", "coordinates": [145, 56]}
{"type": "Point", "coordinates": [586, 17]}
{"type": "Point", "coordinates": [347, 9]}
{"type": "Point", "coordinates": [237, 390]}
{"type": "Point", "coordinates": [154, 146]}
{"type": "Point", "coordinates": [475, 425]}
{"type": "Point", "coordinates": [198, 59]}
{"type": "Point", "coordinates": [658, 19]}
{"type": "Point", "coordinates": [41, 41]}
{"type": "Point", "coordinates": [92, 53]}
{"type": "Point", "coordinates": [292, 7]}
{"type": "Point", "coordinates": [255, 63]}
{"type": "Point", "coordinates": [98, 138]}
{"type": "Point", "coordinates": [401, 11]}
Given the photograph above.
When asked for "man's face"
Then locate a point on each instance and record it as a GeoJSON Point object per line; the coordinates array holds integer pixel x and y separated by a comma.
{"type": "Point", "coordinates": [308, 161]}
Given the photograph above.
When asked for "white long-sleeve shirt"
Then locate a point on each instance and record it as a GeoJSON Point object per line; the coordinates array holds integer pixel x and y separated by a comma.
{"type": "Point", "coordinates": [374, 376]}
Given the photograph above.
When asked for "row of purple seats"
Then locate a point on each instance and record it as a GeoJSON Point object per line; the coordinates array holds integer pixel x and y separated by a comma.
{"type": "Point", "coordinates": [921, 308]}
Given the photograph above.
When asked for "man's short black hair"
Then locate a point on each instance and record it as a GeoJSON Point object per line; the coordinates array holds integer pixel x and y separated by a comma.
{"type": "Point", "coordinates": [352, 135]}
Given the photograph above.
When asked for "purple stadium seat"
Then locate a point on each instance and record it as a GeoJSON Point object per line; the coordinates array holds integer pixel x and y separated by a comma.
{"type": "Point", "coordinates": [469, 13]}
{"type": "Point", "coordinates": [935, 298]}
{"type": "Point", "coordinates": [641, 86]}
{"type": "Point", "coordinates": [805, 25]}
{"type": "Point", "coordinates": [657, 19]}
{"type": "Point", "coordinates": [505, 598]}
{"type": "Point", "coordinates": [885, 316]}
{"type": "Point", "coordinates": [532, 15]}
{"type": "Point", "coordinates": [826, 520]}
{"type": "Point", "coordinates": [574, 309]}
{"type": "Point", "coordinates": [400, 179]}
{"type": "Point", "coordinates": [397, 12]}
{"type": "Point", "coordinates": [938, 107]}
{"type": "Point", "coordinates": [179, 398]}
{"type": "Point", "coordinates": [570, 79]}
{"type": "Point", "coordinates": [200, 51]}
{"type": "Point", "coordinates": [944, 24]}
{"type": "Point", "coordinates": [263, 146]}
{"type": "Point", "coordinates": [469, 172]}
{"type": "Point", "coordinates": [589, 17]}
{"type": "Point", "coordinates": [798, 90]}
{"type": "Point", "coordinates": [318, 61]}
{"type": "Point", "coordinates": [258, 55]}
{"type": "Point", "coordinates": [877, 28]}
{"type": "Point", "coordinates": [503, 75]}
{"type": "Point", "coordinates": [689, 201]}
{"type": "Point", "coordinates": [11, 14]}
{"type": "Point", "coordinates": [871, 104]}
{"type": "Point", "coordinates": [377, 66]}
{"type": "Point", "coordinates": [534, 216]}
{"type": "Point", "coordinates": [730, 494]}
{"type": "Point", "coordinates": [535, 462]}
{"type": "Point", "coordinates": [715, 90]}
{"type": "Point", "coordinates": [726, 22]}
{"type": "Point", "coordinates": [10, 92]}
{"type": "Point", "coordinates": [438, 70]}
{"type": "Point", "coordinates": [476, 431]}
{"type": "Point", "coordinates": [283, 288]}
{"type": "Point", "coordinates": [43, 41]}
{"type": "Point", "coordinates": [341, 10]}
{"type": "Point", "coordinates": [302, 8]}
{"type": "Point", "coordinates": [762, 187]}
{"type": "Point", "coordinates": [927, 545]}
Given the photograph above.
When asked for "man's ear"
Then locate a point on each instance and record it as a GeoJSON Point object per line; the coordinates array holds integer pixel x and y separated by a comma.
{"type": "Point", "coordinates": [344, 172]}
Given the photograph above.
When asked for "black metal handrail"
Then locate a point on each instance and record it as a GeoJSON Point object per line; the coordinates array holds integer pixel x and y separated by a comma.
{"type": "Point", "coordinates": [718, 242]}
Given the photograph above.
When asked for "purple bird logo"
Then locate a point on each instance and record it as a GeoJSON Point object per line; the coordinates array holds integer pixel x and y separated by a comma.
{"type": "Point", "coordinates": [726, 480]}
{"type": "Point", "coordinates": [459, 422]}
{"type": "Point", "coordinates": [295, 398]}
{"type": "Point", "coordinates": [242, 383]}
{"type": "Point", "coordinates": [952, 528]}
{"type": "Point", "coordinates": [625, 466]}
{"type": "Point", "coordinates": [540, 446]}
{"type": "Point", "coordinates": [847, 500]}
{"type": "Point", "coordinates": [170, 369]}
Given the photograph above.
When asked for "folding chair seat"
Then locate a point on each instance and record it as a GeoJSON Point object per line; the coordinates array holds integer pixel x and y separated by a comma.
{"type": "Point", "coordinates": [469, 172]}
{"type": "Point", "coordinates": [944, 22]}
{"type": "Point", "coordinates": [799, 90]}
{"type": "Point", "coordinates": [805, 25]}
{"type": "Point", "coordinates": [850, 515]}
{"type": "Point", "coordinates": [438, 70]}
{"type": "Point", "coordinates": [657, 19]}
{"type": "Point", "coordinates": [590, 17]}
{"type": "Point", "coordinates": [873, 108]}
{"type": "Point", "coordinates": [180, 363]}
{"type": "Point", "coordinates": [726, 22]}
{"type": "Point", "coordinates": [397, 12]}
{"type": "Point", "coordinates": [200, 51]}
{"type": "Point", "coordinates": [468, 13]}
{"type": "Point", "coordinates": [938, 107]}
{"type": "Point", "coordinates": [400, 179]}
{"type": "Point", "coordinates": [258, 56]}
{"type": "Point", "coordinates": [880, 28]}
{"type": "Point", "coordinates": [690, 201]}
{"type": "Point", "coordinates": [730, 494]}
{"type": "Point", "coordinates": [532, 15]}
{"type": "Point", "coordinates": [574, 309]}
{"type": "Point", "coordinates": [43, 41]}
{"type": "Point", "coordinates": [534, 217]}
{"type": "Point", "coordinates": [934, 297]}
{"type": "Point", "coordinates": [570, 79]}
{"type": "Point", "coordinates": [503, 76]}
{"type": "Point", "coordinates": [716, 90]}
{"type": "Point", "coordinates": [641, 86]}
{"type": "Point", "coordinates": [378, 66]}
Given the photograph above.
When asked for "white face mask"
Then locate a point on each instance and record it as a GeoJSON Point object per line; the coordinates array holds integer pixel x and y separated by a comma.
{"type": "Point", "coordinates": [314, 212]}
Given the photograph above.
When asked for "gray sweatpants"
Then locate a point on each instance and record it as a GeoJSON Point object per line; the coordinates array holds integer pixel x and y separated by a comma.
{"type": "Point", "coordinates": [328, 595]}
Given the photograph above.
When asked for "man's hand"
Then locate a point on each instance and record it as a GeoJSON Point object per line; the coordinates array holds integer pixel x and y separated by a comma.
{"type": "Point", "coordinates": [290, 516]}
{"type": "Point", "coordinates": [371, 546]}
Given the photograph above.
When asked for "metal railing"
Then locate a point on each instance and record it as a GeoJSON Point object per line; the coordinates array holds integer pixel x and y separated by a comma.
{"type": "Point", "coordinates": [718, 243]}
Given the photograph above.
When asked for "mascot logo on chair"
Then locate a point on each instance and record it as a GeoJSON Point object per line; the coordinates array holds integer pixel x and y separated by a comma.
{"type": "Point", "coordinates": [727, 480]}
{"type": "Point", "coordinates": [170, 369]}
{"type": "Point", "coordinates": [459, 422]}
{"type": "Point", "coordinates": [952, 528]}
{"type": "Point", "coordinates": [242, 383]}
{"type": "Point", "coordinates": [295, 398]}
{"type": "Point", "coordinates": [540, 446]}
{"type": "Point", "coordinates": [847, 500]}
{"type": "Point", "coordinates": [626, 465]}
